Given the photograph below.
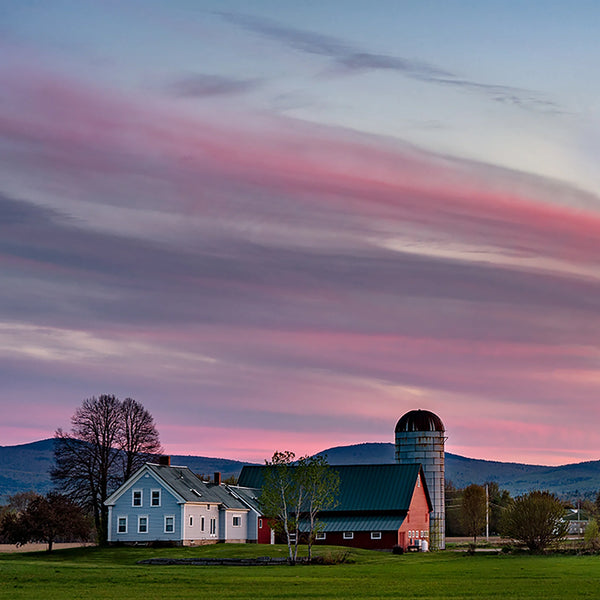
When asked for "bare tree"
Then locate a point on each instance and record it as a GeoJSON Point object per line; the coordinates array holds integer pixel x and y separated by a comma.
{"type": "Point", "coordinates": [92, 460]}
{"type": "Point", "coordinates": [139, 437]}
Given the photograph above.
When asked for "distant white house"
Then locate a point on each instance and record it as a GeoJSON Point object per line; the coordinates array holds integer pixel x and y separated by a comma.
{"type": "Point", "coordinates": [168, 503]}
{"type": "Point", "coordinates": [577, 520]}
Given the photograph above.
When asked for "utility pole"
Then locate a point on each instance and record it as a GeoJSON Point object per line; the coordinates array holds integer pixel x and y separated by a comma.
{"type": "Point", "coordinates": [487, 513]}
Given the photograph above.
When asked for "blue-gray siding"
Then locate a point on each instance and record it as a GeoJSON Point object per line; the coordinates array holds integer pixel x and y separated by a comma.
{"type": "Point", "coordinates": [156, 514]}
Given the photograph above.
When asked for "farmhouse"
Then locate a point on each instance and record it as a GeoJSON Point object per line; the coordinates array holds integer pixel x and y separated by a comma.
{"type": "Point", "coordinates": [378, 506]}
{"type": "Point", "coordinates": [161, 502]}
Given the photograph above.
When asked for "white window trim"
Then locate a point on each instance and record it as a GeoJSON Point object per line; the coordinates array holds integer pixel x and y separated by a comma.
{"type": "Point", "coordinates": [348, 535]}
{"type": "Point", "coordinates": [165, 523]}
{"type": "Point", "coordinates": [213, 527]}
{"type": "Point", "coordinates": [191, 520]}
{"type": "Point", "coordinates": [201, 523]}
{"type": "Point", "coordinates": [239, 519]}
{"type": "Point", "coordinates": [159, 498]}
{"type": "Point", "coordinates": [320, 535]}
{"type": "Point", "coordinates": [140, 517]}
{"type": "Point", "coordinates": [119, 522]}
{"type": "Point", "coordinates": [141, 493]}
{"type": "Point", "coordinates": [375, 535]}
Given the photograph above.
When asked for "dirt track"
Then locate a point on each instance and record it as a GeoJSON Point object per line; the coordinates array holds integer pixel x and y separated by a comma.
{"type": "Point", "coordinates": [36, 547]}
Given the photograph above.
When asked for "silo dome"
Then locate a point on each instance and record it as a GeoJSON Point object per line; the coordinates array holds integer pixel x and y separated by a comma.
{"type": "Point", "coordinates": [419, 420]}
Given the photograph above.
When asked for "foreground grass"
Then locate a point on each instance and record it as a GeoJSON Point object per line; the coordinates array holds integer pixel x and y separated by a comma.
{"type": "Point", "coordinates": [113, 574]}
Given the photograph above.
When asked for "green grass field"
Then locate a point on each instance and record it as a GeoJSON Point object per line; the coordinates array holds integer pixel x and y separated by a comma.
{"type": "Point", "coordinates": [92, 573]}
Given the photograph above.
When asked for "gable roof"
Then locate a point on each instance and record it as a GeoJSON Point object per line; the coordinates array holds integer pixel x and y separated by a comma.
{"type": "Point", "coordinates": [249, 496]}
{"type": "Point", "coordinates": [185, 485]}
{"type": "Point", "coordinates": [375, 488]}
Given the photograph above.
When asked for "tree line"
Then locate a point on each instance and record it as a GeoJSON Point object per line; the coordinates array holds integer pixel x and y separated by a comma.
{"type": "Point", "coordinates": [109, 440]}
{"type": "Point", "coordinates": [536, 519]}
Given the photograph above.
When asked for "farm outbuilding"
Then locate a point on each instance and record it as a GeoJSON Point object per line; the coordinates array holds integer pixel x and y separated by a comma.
{"type": "Point", "coordinates": [378, 506]}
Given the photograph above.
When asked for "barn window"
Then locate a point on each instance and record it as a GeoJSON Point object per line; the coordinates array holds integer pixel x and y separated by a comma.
{"type": "Point", "coordinates": [169, 524]}
{"type": "Point", "coordinates": [122, 525]}
{"type": "Point", "coordinates": [260, 523]}
{"type": "Point", "coordinates": [136, 498]}
{"type": "Point", "coordinates": [321, 535]}
{"type": "Point", "coordinates": [375, 535]}
{"type": "Point", "coordinates": [348, 535]}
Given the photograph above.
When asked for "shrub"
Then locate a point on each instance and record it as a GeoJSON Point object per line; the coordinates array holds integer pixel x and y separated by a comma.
{"type": "Point", "coordinates": [535, 519]}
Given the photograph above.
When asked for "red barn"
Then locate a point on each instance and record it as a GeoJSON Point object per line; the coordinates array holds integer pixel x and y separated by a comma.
{"type": "Point", "coordinates": [379, 506]}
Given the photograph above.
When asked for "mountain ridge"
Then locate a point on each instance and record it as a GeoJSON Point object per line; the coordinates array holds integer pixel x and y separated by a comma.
{"type": "Point", "coordinates": [26, 467]}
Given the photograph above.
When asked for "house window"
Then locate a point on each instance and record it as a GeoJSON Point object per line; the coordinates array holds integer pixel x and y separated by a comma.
{"type": "Point", "coordinates": [201, 523]}
{"type": "Point", "coordinates": [213, 527]}
{"type": "Point", "coordinates": [320, 535]}
{"type": "Point", "coordinates": [237, 521]}
{"type": "Point", "coordinates": [155, 498]}
{"type": "Point", "coordinates": [136, 498]}
{"type": "Point", "coordinates": [208, 507]}
{"type": "Point", "coordinates": [348, 535]}
{"type": "Point", "coordinates": [191, 521]}
{"type": "Point", "coordinates": [169, 524]}
{"type": "Point", "coordinates": [260, 523]}
{"type": "Point", "coordinates": [143, 524]}
{"type": "Point", "coordinates": [375, 535]}
{"type": "Point", "coordinates": [122, 525]}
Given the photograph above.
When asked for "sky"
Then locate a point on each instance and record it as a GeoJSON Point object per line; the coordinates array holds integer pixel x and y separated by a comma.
{"type": "Point", "coordinates": [282, 225]}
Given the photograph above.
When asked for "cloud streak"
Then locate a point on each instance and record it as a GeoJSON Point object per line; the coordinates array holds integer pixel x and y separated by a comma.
{"type": "Point", "coordinates": [307, 267]}
{"type": "Point", "coordinates": [202, 85]}
{"type": "Point", "coordinates": [351, 59]}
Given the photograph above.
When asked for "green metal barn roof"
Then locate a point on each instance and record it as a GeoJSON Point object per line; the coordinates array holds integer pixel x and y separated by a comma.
{"type": "Point", "coordinates": [362, 487]}
{"type": "Point", "coordinates": [358, 523]}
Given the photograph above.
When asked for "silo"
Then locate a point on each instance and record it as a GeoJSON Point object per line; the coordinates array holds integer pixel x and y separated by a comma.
{"type": "Point", "coordinates": [420, 438]}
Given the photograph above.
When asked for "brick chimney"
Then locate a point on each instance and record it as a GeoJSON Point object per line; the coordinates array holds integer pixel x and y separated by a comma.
{"type": "Point", "coordinates": [164, 460]}
{"type": "Point", "coordinates": [217, 478]}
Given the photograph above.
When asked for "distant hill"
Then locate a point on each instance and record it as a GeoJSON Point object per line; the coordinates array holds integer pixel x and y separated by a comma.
{"type": "Point", "coordinates": [581, 479]}
{"type": "Point", "coordinates": [27, 467]}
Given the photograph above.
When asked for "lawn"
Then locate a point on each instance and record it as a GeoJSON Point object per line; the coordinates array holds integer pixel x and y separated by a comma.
{"type": "Point", "coordinates": [92, 573]}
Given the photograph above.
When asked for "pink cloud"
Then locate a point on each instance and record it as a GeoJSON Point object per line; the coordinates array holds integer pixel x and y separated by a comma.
{"type": "Point", "coordinates": [283, 280]}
